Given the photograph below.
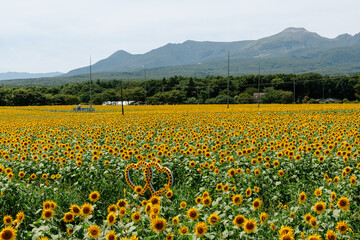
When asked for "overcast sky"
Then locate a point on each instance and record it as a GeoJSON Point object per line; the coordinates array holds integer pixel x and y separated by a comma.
{"type": "Point", "coordinates": [60, 35]}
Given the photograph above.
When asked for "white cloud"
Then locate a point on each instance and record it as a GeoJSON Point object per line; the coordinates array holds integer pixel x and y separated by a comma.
{"type": "Point", "coordinates": [54, 35]}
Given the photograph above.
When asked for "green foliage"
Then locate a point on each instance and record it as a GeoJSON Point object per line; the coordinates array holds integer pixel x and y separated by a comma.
{"type": "Point", "coordinates": [244, 98]}
{"type": "Point", "coordinates": [276, 96]}
{"type": "Point", "coordinates": [190, 90]}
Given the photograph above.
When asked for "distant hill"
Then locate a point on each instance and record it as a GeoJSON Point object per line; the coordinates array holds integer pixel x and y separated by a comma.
{"type": "Point", "coordinates": [24, 75]}
{"type": "Point", "coordinates": [292, 50]}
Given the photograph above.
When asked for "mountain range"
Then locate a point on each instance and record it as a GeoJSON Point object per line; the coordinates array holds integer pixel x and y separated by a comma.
{"type": "Point", "coordinates": [20, 75]}
{"type": "Point", "coordinates": [292, 50]}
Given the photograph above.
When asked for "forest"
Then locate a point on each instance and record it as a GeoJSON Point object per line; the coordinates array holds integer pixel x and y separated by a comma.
{"type": "Point", "coordinates": [277, 88]}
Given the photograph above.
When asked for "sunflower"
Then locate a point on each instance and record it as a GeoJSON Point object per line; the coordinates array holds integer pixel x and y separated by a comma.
{"type": "Point", "coordinates": [47, 204]}
{"type": "Point", "coordinates": [169, 194]}
{"type": "Point", "coordinates": [237, 199]}
{"type": "Point", "coordinates": [7, 220]}
{"type": "Point", "coordinates": [184, 230]}
{"type": "Point", "coordinates": [286, 230]}
{"type": "Point", "coordinates": [48, 214]}
{"type": "Point", "coordinates": [248, 192]}
{"type": "Point", "coordinates": [20, 216]}
{"type": "Point", "coordinates": [276, 163]}
{"type": "Point", "coordinates": [122, 212]}
{"type": "Point", "coordinates": [75, 209]}
{"type": "Point", "coordinates": [68, 217]}
{"type": "Point", "coordinates": [155, 200]}
{"type": "Point", "coordinates": [206, 201]}
{"type": "Point", "coordinates": [226, 188]}
{"type": "Point", "coordinates": [136, 217]}
{"type": "Point", "coordinates": [158, 225]}
{"type": "Point", "coordinates": [330, 235]}
{"type": "Point", "coordinates": [86, 209]}
{"type": "Point", "coordinates": [249, 225]}
{"type": "Point", "coordinates": [8, 233]}
{"type": "Point", "coordinates": [317, 192]}
{"type": "Point", "coordinates": [192, 214]}
{"type": "Point", "coordinates": [218, 187]}
{"type": "Point", "coordinates": [200, 229]}
{"type": "Point", "coordinates": [313, 222]}
{"type": "Point", "coordinates": [281, 173]}
{"type": "Point", "coordinates": [121, 203]}
{"type": "Point", "coordinates": [314, 237]}
{"type": "Point", "coordinates": [111, 235]}
{"type": "Point", "coordinates": [342, 227]}
{"type": "Point", "coordinates": [287, 236]}
{"type": "Point", "coordinates": [272, 226]}
{"type": "Point", "coordinates": [343, 203]}
{"type": "Point", "coordinates": [53, 205]}
{"type": "Point", "coordinates": [231, 172]}
{"type": "Point", "coordinates": [307, 217]}
{"type": "Point", "coordinates": [302, 197]}
{"type": "Point", "coordinates": [156, 209]}
{"type": "Point", "coordinates": [70, 231]}
{"type": "Point", "coordinates": [263, 217]}
{"type": "Point", "coordinates": [112, 208]}
{"type": "Point", "coordinates": [111, 219]}
{"type": "Point", "coordinates": [336, 179]}
{"type": "Point", "coordinates": [21, 174]}
{"type": "Point", "coordinates": [213, 219]}
{"type": "Point", "coordinates": [183, 204]}
{"type": "Point", "coordinates": [175, 221]}
{"type": "Point", "coordinates": [94, 196]}
{"type": "Point", "coordinates": [257, 204]}
{"type": "Point", "coordinates": [94, 231]}
{"type": "Point", "coordinates": [333, 196]}
{"type": "Point", "coordinates": [319, 207]}
{"type": "Point", "coordinates": [169, 236]}
{"type": "Point", "coordinates": [198, 199]}
{"type": "Point", "coordinates": [239, 220]}
{"type": "Point", "coordinates": [138, 189]}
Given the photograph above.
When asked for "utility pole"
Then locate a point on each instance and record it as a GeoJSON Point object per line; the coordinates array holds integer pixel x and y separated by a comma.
{"type": "Point", "coordinates": [294, 86]}
{"type": "Point", "coordinates": [90, 83]}
{"type": "Point", "coordinates": [145, 83]}
{"type": "Point", "coordinates": [259, 88]}
{"type": "Point", "coordinates": [122, 99]}
{"type": "Point", "coordinates": [228, 80]}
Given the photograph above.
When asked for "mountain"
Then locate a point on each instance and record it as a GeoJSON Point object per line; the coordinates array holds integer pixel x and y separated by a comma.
{"type": "Point", "coordinates": [293, 49]}
{"type": "Point", "coordinates": [291, 41]}
{"type": "Point", "coordinates": [24, 75]}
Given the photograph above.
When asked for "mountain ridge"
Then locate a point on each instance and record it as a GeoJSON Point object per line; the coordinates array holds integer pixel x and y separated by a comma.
{"type": "Point", "coordinates": [193, 52]}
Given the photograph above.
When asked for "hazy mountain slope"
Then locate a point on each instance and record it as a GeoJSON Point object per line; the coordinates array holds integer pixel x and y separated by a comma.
{"type": "Point", "coordinates": [191, 52]}
{"type": "Point", "coordinates": [19, 75]}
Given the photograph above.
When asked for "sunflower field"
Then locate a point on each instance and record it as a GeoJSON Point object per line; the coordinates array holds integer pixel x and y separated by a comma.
{"type": "Point", "coordinates": [181, 172]}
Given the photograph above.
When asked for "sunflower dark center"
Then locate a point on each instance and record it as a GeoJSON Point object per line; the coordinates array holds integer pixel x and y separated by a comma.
{"type": "Point", "coordinates": [7, 234]}
{"type": "Point", "coordinates": [250, 226]}
{"type": "Point", "coordinates": [239, 220]}
{"type": "Point", "coordinates": [159, 225]}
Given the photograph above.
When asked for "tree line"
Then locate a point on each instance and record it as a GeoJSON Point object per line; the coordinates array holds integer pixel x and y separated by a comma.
{"type": "Point", "coordinates": [278, 88]}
